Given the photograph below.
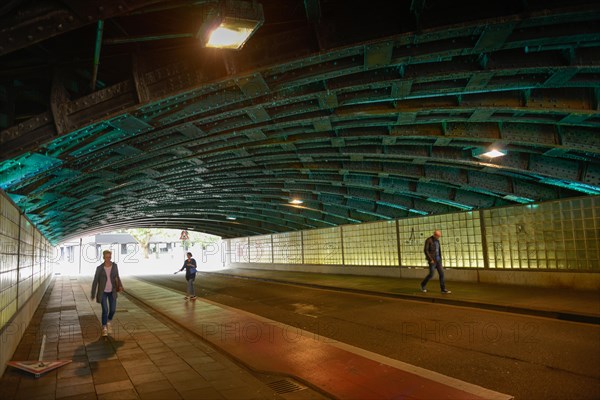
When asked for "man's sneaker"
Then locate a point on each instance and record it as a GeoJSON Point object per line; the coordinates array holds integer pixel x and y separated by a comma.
{"type": "Point", "coordinates": [109, 328]}
{"type": "Point", "coordinates": [193, 298]}
{"type": "Point", "coordinates": [104, 331]}
{"type": "Point", "coordinates": [423, 289]}
{"type": "Point", "coordinates": [446, 291]}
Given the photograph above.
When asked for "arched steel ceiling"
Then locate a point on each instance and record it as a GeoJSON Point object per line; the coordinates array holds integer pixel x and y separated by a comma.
{"type": "Point", "coordinates": [360, 130]}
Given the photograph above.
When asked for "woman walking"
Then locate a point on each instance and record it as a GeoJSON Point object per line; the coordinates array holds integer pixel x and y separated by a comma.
{"type": "Point", "coordinates": [190, 276]}
{"type": "Point", "coordinates": [105, 286]}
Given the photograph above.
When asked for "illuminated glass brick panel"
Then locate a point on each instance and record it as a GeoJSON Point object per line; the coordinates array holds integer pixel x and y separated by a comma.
{"type": "Point", "coordinates": [25, 262]}
{"type": "Point", "coordinates": [562, 234]}
{"type": "Point", "coordinates": [37, 259]}
{"type": "Point", "coordinates": [260, 249]}
{"type": "Point", "coordinates": [239, 250]}
{"type": "Point", "coordinates": [9, 236]}
{"type": "Point", "coordinates": [24, 259]}
{"type": "Point", "coordinates": [322, 246]}
{"type": "Point", "coordinates": [461, 239]}
{"type": "Point", "coordinates": [47, 260]}
{"type": "Point", "coordinates": [555, 235]}
{"type": "Point", "coordinates": [372, 243]}
{"type": "Point", "coordinates": [9, 257]}
{"type": "Point", "coordinates": [7, 312]}
{"type": "Point", "coordinates": [287, 248]}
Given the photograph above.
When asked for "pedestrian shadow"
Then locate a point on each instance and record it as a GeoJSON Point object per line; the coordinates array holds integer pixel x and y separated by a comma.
{"type": "Point", "coordinates": [98, 353]}
{"type": "Point", "coordinates": [104, 348]}
{"type": "Point", "coordinates": [96, 346]}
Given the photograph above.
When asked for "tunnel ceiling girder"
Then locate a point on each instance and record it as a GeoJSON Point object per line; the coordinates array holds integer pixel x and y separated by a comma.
{"type": "Point", "coordinates": [474, 115]}
{"type": "Point", "coordinates": [407, 171]}
{"type": "Point", "coordinates": [256, 81]}
{"type": "Point", "coordinates": [372, 130]}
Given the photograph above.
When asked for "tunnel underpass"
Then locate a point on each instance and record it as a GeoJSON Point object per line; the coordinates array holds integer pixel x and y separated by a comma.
{"type": "Point", "coordinates": [337, 151]}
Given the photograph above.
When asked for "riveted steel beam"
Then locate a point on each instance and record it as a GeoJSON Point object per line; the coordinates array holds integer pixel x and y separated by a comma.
{"type": "Point", "coordinates": [46, 19]}
{"type": "Point", "coordinates": [366, 132]}
{"type": "Point", "coordinates": [117, 95]}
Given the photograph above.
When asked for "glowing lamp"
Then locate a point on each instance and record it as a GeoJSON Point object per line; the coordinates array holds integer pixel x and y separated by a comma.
{"type": "Point", "coordinates": [231, 24]}
{"type": "Point", "coordinates": [489, 153]}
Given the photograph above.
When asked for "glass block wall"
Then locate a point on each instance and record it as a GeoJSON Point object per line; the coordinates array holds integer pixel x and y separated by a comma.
{"type": "Point", "coordinates": [375, 243]}
{"type": "Point", "coordinates": [38, 259]}
{"type": "Point", "coordinates": [260, 249]}
{"type": "Point", "coordinates": [238, 250]}
{"type": "Point", "coordinates": [24, 260]}
{"type": "Point", "coordinates": [9, 259]}
{"type": "Point", "coordinates": [556, 235]}
{"type": "Point", "coordinates": [322, 246]}
{"type": "Point", "coordinates": [287, 248]}
{"type": "Point", "coordinates": [461, 239]}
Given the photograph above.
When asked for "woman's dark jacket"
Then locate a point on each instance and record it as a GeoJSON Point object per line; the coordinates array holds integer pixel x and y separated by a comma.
{"type": "Point", "coordinates": [99, 282]}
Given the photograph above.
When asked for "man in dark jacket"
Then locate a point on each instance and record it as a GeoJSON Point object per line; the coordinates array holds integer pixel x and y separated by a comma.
{"type": "Point", "coordinates": [433, 254]}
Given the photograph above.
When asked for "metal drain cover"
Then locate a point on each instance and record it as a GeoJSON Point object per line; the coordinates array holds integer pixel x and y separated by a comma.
{"type": "Point", "coordinates": [285, 386]}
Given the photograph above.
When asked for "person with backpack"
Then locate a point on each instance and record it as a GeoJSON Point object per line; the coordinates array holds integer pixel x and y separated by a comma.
{"type": "Point", "coordinates": [190, 276]}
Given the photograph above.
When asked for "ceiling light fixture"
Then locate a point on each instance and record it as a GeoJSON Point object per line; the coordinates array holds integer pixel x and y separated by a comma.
{"type": "Point", "coordinates": [489, 153]}
{"type": "Point", "coordinates": [231, 218]}
{"type": "Point", "coordinates": [494, 153]}
{"type": "Point", "coordinates": [231, 24]}
{"type": "Point", "coordinates": [296, 201]}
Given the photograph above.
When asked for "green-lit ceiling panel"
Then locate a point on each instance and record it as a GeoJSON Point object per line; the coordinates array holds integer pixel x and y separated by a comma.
{"type": "Point", "coordinates": [450, 203]}
{"type": "Point", "coordinates": [18, 199]}
{"type": "Point", "coordinates": [577, 186]}
{"type": "Point", "coordinates": [63, 144]}
{"type": "Point", "coordinates": [376, 128]}
{"type": "Point", "coordinates": [13, 172]}
{"type": "Point", "coordinates": [518, 199]}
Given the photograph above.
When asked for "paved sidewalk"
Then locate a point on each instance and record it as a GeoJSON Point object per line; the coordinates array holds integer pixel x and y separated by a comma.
{"type": "Point", "coordinates": [145, 359]}
{"type": "Point", "coordinates": [566, 304]}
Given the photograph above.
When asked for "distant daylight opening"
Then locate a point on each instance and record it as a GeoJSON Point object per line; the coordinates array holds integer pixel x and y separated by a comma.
{"type": "Point", "coordinates": [139, 251]}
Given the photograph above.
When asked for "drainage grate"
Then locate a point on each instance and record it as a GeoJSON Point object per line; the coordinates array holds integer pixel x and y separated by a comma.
{"type": "Point", "coordinates": [285, 386]}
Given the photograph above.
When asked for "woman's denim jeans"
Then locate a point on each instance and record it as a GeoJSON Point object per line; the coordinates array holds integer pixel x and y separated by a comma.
{"type": "Point", "coordinates": [190, 289]}
{"type": "Point", "coordinates": [109, 307]}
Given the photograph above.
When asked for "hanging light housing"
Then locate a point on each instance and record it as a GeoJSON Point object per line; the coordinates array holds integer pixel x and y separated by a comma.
{"type": "Point", "coordinates": [489, 153]}
{"type": "Point", "coordinates": [231, 24]}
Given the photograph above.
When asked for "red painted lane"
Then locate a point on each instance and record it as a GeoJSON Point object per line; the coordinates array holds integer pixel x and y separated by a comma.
{"type": "Point", "coordinates": [269, 346]}
{"type": "Point", "coordinates": [272, 347]}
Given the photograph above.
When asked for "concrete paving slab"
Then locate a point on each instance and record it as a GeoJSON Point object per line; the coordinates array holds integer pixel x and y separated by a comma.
{"type": "Point", "coordinates": [144, 358]}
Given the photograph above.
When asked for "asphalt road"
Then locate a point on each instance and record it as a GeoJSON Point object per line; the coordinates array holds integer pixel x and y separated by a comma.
{"type": "Point", "coordinates": [525, 356]}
